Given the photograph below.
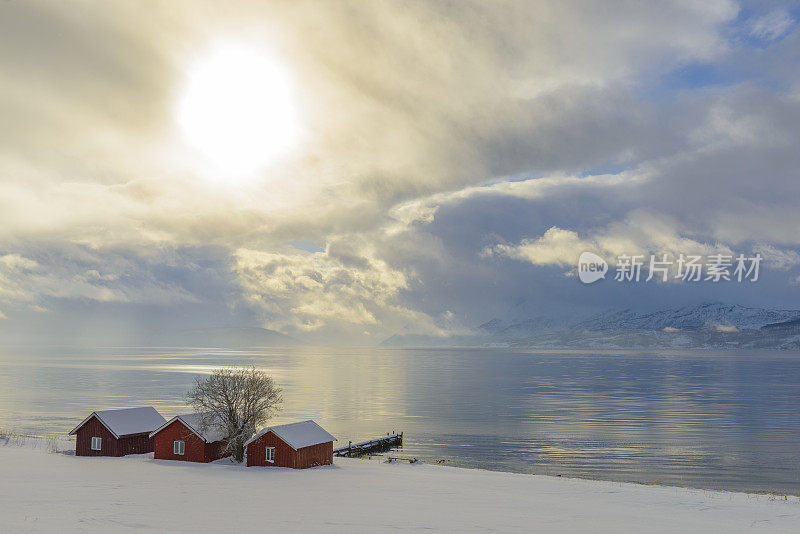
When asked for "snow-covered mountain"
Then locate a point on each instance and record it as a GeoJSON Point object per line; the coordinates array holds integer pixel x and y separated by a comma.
{"type": "Point", "coordinates": [711, 315]}
{"type": "Point", "coordinates": [707, 325]}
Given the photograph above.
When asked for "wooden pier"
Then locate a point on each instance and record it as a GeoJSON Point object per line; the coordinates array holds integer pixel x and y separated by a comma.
{"type": "Point", "coordinates": [383, 443]}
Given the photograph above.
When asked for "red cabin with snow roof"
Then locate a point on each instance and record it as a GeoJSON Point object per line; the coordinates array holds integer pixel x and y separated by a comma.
{"type": "Point", "coordinates": [296, 445]}
{"type": "Point", "coordinates": [117, 432]}
{"type": "Point", "coordinates": [182, 438]}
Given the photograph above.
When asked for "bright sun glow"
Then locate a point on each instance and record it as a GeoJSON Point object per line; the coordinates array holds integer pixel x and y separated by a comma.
{"type": "Point", "coordinates": [237, 110]}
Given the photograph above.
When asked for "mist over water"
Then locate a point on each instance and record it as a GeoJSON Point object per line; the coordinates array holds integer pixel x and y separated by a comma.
{"type": "Point", "coordinates": [728, 420]}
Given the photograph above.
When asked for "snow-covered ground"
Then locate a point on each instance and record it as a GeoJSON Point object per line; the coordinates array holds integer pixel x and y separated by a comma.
{"type": "Point", "coordinates": [41, 491]}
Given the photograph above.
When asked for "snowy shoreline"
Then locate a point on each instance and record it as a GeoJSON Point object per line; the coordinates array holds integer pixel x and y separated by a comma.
{"type": "Point", "coordinates": [43, 491]}
{"type": "Point", "coordinates": [59, 443]}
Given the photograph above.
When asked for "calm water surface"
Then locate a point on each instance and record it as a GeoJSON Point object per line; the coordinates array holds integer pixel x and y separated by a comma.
{"type": "Point", "coordinates": [715, 420]}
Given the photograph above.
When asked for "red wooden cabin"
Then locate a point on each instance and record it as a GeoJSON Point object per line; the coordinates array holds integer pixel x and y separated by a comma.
{"type": "Point", "coordinates": [183, 438]}
{"type": "Point", "coordinates": [117, 432]}
{"type": "Point", "coordinates": [297, 445]}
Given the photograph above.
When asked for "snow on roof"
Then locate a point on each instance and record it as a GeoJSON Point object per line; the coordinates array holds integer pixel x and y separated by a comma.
{"type": "Point", "coordinates": [298, 435]}
{"type": "Point", "coordinates": [127, 421]}
{"type": "Point", "coordinates": [194, 422]}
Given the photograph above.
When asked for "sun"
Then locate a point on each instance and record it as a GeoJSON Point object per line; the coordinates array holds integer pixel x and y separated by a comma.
{"type": "Point", "coordinates": [237, 110]}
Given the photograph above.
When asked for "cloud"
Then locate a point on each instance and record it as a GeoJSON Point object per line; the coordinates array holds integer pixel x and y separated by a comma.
{"type": "Point", "coordinates": [777, 258]}
{"type": "Point", "coordinates": [555, 247]}
{"type": "Point", "coordinates": [392, 110]}
{"type": "Point", "coordinates": [528, 129]}
{"type": "Point", "coordinates": [772, 25]}
{"type": "Point", "coordinates": [642, 233]}
{"type": "Point", "coordinates": [79, 273]}
{"type": "Point", "coordinates": [342, 292]}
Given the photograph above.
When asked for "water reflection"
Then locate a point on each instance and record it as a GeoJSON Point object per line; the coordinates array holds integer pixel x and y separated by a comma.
{"type": "Point", "coordinates": [727, 420]}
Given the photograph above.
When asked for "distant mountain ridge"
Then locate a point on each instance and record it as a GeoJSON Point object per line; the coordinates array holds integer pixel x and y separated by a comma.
{"type": "Point", "coordinates": [705, 325]}
{"type": "Point", "coordinates": [220, 337]}
{"type": "Point", "coordinates": [706, 315]}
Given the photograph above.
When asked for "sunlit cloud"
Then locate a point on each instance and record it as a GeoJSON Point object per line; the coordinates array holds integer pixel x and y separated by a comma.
{"type": "Point", "coordinates": [344, 291]}
{"type": "Point", "coordinates": [442, 159]}
{"type": "Point", "coordinates": [641, 233]}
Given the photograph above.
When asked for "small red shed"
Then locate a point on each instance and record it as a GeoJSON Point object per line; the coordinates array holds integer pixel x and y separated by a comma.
{"type": "Point", "coordinates": [117, 432]}
{"type": "Point", "coordinates": [297, 445]}
{"type": "Point", "coordinates": [183, 438]}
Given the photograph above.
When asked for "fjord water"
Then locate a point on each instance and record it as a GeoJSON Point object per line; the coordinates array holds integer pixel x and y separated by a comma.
{"type": "Point", "coordinates": [727, 420]}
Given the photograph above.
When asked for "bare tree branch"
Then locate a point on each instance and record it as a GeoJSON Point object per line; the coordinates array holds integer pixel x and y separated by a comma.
{"type": "Point", "coordinates": [235, 401]}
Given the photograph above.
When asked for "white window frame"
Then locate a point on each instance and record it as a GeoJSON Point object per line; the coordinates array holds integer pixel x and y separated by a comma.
{"type": "Point", "coordinates": [269, 454]}
{"type": "Point", "coordinates": [179, 447]}
{"type": "Point", "coordinates": [99, 443]}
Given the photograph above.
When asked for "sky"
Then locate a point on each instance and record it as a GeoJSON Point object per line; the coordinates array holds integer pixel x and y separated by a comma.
{"type": "Point", "coordinates": [344, 171]}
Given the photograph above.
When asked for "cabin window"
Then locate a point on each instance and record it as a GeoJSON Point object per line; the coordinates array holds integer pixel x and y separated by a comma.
{"type": "Point", "coordinates": [97, 444]}
{"type": "Point", "coordinates": [178, 447]}
{"type": "Point", "coordinates": [270, 454]}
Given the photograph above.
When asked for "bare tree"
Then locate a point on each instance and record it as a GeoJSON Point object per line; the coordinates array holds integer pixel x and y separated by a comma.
{"type": "Point", "coordinates": [235, 401]}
